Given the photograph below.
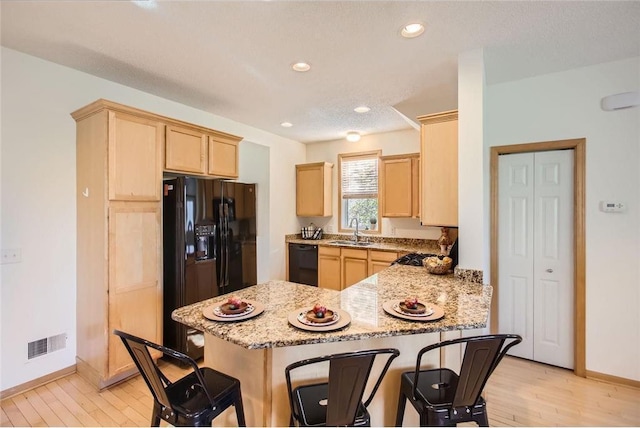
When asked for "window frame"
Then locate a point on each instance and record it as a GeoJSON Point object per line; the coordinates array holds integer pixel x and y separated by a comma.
{"type": "Point", "coordinates": [350, 156]}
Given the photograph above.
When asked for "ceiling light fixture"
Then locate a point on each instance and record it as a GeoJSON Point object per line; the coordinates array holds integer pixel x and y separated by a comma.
{"type": "Point", "coordinates": [412, 30]}
{"type": "Point", "coordinates": [146, 4]}
{"type": "Point", "coordinates": [353, 136]}
{"type": "Point", "coordinates": [286, 124]}
{"type": "Point", "coordinates": [301, 67]}
{"type": "Point", "coordinates": [361, 109]}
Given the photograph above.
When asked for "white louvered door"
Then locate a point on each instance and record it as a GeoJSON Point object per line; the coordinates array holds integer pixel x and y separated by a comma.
{"type": "Point", "coordinates": [536, 254]}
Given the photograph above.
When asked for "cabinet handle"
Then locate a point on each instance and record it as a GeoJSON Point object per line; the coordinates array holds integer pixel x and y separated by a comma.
{"type": "Point", "coordinates": [549, 270]}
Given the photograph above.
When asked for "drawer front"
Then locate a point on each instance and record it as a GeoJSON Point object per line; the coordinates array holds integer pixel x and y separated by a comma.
{"type": "Point", "coordinates": [383, 256]}
{"type": "Point", "coordinates": [329, 251]}
{"type": "Point", "coordinates": [354, 254]}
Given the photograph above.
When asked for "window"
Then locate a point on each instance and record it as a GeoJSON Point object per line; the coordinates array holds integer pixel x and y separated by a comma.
{"type": "Point", "coordinates": [358, 191]}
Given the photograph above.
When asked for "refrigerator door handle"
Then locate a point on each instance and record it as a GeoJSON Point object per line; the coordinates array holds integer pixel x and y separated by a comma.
{"type": "Point", "coordinates": [222, 247]}
{"type": "Point", "coordinates": [226, 270]}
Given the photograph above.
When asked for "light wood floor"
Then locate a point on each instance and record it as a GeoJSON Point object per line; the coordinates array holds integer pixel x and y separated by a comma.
{"type": "Point", "coordinates": [519, 393]}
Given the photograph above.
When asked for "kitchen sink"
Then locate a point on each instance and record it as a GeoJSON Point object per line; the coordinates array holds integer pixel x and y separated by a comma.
{"type": "Point", "coordinates": [351, 243]}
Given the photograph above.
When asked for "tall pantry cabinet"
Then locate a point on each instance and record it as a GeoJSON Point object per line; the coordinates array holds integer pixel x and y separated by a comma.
{"type": "Point", "coordinates": [119, 247]}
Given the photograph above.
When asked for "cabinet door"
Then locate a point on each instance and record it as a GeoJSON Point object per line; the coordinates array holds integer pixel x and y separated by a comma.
{"type": "Point", "coordinates": [135, 170]}
{"type": "Point", "coordinates": [439, 158]}
{"type": "Point", "coordinates": [223, 157]}
{"type": "Point", "coordinates": [313, 190]}
{"type": "Point", "coordinates": [354, 266]}
{"type": "Point", "coordinates": [135, 277]}
{"type": "Point", "coordinates": [396, 187]}
{"type": "Point", "coordinates": [329, 272]}
{"type": "Point", "coordinates": [185, 150]}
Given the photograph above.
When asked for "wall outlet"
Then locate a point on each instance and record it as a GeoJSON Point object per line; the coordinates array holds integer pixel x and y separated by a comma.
{"type": "Point", "coordinates": [393, 231]}
{"type": "Point", "coordinates": [12, 255]}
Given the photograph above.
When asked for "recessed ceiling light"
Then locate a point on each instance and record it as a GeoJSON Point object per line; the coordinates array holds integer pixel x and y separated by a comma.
{"type": "Point", "coordinates": [353, 136]}
{"type": "Point", "coordinates": [301, 66]}
{"type": "Point", "coordinates": [411, 30]}
{"type": "Point", "coordinates": [361, 109]}
{"type": "Point", "coordinates": [286, 124]}
{"type": "Point", "coordinates": [146, 4]}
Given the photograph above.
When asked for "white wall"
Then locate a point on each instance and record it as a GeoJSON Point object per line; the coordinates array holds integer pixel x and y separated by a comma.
{"type": "Point", "coordinates": [472, 250]}
{"type": "Point", "coordinates": [567, 105]}
{"type": "Point", "coordinates": [391, 143]}
{"type": "Point", "coordinates": [38, 200]}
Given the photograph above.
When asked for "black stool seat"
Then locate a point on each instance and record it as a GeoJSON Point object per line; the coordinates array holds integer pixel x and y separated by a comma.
{"type": "Point", "coordinates": [193, 400]}
{"type": "Point", "coordinates": [442, 397]}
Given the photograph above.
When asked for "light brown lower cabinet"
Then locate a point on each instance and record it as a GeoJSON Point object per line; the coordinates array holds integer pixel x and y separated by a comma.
{"type": "Point", "coordinates": [380, 260]}
{"type": "Point", "coordinates": [339, 268]}
{"type": "Point", "coordinates": [354, 266]}
{"type": "Point", "coordinates": [329, 268]}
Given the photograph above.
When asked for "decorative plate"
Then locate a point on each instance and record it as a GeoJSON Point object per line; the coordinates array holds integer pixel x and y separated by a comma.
{"type": "Point", "coordinates": [304, 318]}
{"type": "Point", "coordinates": [214, 313]}
{"type": "Point", "coordinates": [436, 314]}
{"type": "Point", "coordinates": [344, 319]}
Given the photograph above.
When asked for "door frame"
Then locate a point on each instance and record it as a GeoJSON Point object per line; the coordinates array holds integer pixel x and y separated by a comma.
{"type": "Point", "coordinates": [579, 265]}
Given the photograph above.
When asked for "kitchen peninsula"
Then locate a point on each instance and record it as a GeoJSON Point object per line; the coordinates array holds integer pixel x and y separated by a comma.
{"type": "Point", "coordinates": [257, 350]}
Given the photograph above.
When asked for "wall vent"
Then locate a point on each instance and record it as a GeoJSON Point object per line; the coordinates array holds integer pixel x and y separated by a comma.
{"type": "Point", "coordinates": [47, 345]}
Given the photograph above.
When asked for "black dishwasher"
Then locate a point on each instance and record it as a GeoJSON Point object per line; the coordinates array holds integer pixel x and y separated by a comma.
{"type": "Point", "coordinates": [303, 264]}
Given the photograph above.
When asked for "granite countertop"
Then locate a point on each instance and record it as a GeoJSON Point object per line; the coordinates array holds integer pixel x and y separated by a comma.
{"type": "Point", "coordinates": [466, 306]}
{"type": "Point", "coordinates": [396, 245]}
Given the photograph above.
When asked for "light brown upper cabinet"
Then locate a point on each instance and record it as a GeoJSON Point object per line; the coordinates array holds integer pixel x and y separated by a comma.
{"type": "Point", "coordinates": [135, 150]}
{"type": "Point", "coordinates": [399, 185]}
{"type": "Point", "coordinates": [185, 150]}
{"type": "Point", "coordinates": [439, 168]}
{"type": "Point", "coordinates": [313, 189]}
{"type": "Point", "coordinates": [223, 156]}
{"type": "Point", "coordinates": [196, 151]}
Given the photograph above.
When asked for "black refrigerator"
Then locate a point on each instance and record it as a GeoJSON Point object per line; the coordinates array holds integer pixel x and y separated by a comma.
{"type": "Point", "coordinates": [206, 254]}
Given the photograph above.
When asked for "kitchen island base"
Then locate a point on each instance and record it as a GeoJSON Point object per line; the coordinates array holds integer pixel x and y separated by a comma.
{"type": "Point", "coordinates": [264, 390]}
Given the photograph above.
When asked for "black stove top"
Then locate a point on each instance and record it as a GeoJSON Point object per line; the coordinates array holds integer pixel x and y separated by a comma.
{"type": "Point", "coordinates": [412, 259]}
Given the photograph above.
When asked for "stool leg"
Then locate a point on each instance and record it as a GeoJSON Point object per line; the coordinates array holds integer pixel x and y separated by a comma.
{"type": "Point", "coordinates": [155, 416]}
{"type": "Point", "coordinates": [239, 409]}
{"type": "Point", "coordinates": [482, 419]}
{"type": "Point", "coordinates": [402, 402]}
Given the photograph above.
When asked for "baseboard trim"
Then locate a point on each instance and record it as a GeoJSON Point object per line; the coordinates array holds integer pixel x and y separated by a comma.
{"type": "Point", "coordinates": [613, 379]}
{"type": "Point", "coordinates": [19, 389]}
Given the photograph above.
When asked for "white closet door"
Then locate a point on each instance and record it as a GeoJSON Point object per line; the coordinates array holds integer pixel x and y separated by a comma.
{"type": "Point", "coordinates": [553, 258]}
{"type": "Point", "coordinates": [515, 249]}
{"type": "Point", "coordinates": [535, 204]}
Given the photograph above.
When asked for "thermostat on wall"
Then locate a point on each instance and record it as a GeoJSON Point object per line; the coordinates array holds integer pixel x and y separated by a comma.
{"type": "Point", "coordinates": [612, 207]}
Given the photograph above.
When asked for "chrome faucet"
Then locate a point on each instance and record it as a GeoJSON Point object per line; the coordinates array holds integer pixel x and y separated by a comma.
{"type": "Point", "coordinates": [355, 234]}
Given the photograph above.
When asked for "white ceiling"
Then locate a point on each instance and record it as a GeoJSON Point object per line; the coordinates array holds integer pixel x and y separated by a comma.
{"type": "Point", "coordinates": [233, 58]}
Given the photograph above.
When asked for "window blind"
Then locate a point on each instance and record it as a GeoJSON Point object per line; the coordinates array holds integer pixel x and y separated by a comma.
{"type": "Point", "coordinates": [359, 177]}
